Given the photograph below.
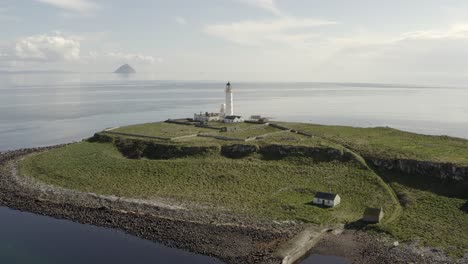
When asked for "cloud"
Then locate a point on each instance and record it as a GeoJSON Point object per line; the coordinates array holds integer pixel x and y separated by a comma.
{"type": "Point", "coordinates": [180, 20]}
{"type": "Point", "coordinates": [268, 5]}
{"type": "Point", "coordinates": [424, 56]}
{"type": "Point", "coordinates": [71, 5]}
{"type": "Point", "coordinates": [120, 57]}
{"type": "Point", "coordinates": [64, 51]}
{"type": "Point", "coordinates": [132, 57]}
{"type": "Point", "coordinates": [264, 32]}
{"type": "Point", "coordinates": [47, 48]}
{"type": "Point", "coordinates": [456, 31]}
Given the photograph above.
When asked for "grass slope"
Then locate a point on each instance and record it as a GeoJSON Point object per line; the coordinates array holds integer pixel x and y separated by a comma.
{"type": "Point", "coordinates": [279, 189]}
{"type": "Point", "coordinates": [434, 220]}
{"type": "Point", "coordinates": [392, 143]}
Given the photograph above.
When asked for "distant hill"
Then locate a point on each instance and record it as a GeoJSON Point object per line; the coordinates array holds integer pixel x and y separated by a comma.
{"type": "Point", "coordinates": [125, 69]}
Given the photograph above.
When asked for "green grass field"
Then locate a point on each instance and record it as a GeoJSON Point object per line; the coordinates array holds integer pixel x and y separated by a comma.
{"type": "Point", "coordinates": [432, 219]}
{"type": "Point", "coordinates": [250, 132]}
{"type": "Point", "coordinates": [278, 190]}
{"type": "Point", "coordinates": [162, 129]}
{"type": "Point", "coordinates": [431, 213]}
{"type": "Point", "coordinates": [392, 143]}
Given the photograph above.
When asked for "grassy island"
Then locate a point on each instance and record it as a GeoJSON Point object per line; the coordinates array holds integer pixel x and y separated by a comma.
{"type": "Point", "coordinates": [272, 171]}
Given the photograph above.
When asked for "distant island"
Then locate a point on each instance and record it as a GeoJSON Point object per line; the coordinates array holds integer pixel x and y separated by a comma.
{"type": "Point", "coordinates": [125, 69]}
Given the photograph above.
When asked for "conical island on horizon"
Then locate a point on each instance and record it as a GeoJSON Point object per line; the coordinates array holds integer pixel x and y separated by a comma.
{"type": "Point", "coordinates": [125, 69]}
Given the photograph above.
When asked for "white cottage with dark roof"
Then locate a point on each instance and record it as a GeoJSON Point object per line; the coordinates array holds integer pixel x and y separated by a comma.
{"type": "Point", "coordinates": [326, 199]}
{"type": "Point", "coordinates": [233, 119]}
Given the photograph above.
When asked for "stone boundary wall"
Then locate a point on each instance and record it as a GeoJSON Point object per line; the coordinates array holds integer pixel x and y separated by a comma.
{"type": "Point", "coordinates": [210, 127]}
{"type": "Point", "coordinates": [185, 123]}
{"type": "Point", "coordinates": [242, 139]}
{"type": "Point", "coordinates": [279, 126]}
{"type": "Point", "coordinates": [182, 137]}
{"type": "Point", "coordinates": [266, 135]}
{"type": "Point", "coordinates": [135, 135]}
{"type": "Point", "coordinates": [283, 128]}
{"type": "Point", "coordinates": [291, 130]}
{"type": "Point", "coordinates": [221, 137]}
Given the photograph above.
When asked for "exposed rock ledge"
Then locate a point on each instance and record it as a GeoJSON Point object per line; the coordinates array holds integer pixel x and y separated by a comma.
{"type": "Point", "coordinates": [443, 171]}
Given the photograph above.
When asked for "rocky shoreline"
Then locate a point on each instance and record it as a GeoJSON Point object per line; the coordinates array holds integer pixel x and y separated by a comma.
{"type": "Point", "coordinates": [367, 248]}
{"type": "Point", "coordinates": [223, 236]}
{"type": "Point", "coordinates": [217, 233]}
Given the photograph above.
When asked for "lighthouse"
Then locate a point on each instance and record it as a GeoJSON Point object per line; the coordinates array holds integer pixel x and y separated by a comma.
{"type": "Point", "coordinates": [226, 111]}
{"type": "Point", "coordinates": [229, 101]}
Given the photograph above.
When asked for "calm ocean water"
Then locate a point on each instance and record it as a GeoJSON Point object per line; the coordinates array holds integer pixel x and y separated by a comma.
{"type": "Point", "coordinates": [28, 238]}
{"type": "Point", "coordinates": [46, 109]}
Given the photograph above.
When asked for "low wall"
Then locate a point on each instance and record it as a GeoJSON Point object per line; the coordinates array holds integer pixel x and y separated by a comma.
{"type": "Point", "coordinates": [221, 137]}
{"type": "Point", "coordinates": [279, 126]}
{"type": "Point", "coordinates": [178, 122]}
{"type": "Point", "coordinates": [135, 135]}
{"type": "Point", "coordinates": [291, 130]}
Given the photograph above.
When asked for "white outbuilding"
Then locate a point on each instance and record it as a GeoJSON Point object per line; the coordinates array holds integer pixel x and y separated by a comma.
{"type": "Point", "coordinates": [326, 199]}
{"type": "Point", "coordinates": [233, 119]}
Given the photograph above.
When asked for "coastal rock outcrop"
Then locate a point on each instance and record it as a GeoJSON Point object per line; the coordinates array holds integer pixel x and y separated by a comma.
{"type": "Point", "coordinates": [317, 153]}
{"type": "Point", "coordinates": [443, 171]}
{"type": "Point", "coordinates": [238, 150]}
{"type": "Point", "coordinates": [136, 149]}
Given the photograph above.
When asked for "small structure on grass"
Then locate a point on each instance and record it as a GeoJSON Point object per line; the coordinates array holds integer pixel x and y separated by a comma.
{"type": "Point", "coordinates": [233, 119]}
{"type": "Point", "coordinates": [259, 119]}
{"type": "Point", "coordinates": [206, 117]}
{"type": "Point", "coordinates": [373, 215]}
{"type": "Point", "coordinates": [327, 199]}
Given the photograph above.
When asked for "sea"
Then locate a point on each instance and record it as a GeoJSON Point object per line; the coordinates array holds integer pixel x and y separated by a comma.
{"type": "Point", "coordinates": [41, 109]}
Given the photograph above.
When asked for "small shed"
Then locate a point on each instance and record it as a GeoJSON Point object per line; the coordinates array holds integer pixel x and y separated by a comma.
{"type": "Point", "coordinates": [373, 215]}
{"type": "Point", "coordinates": [327, 199]}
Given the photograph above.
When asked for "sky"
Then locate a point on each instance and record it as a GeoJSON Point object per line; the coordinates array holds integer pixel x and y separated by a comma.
{"type": "Point", "coordinates": [398, 41]}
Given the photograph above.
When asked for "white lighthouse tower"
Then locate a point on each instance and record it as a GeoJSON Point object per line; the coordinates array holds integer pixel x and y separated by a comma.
{"type": "Point", "coordinates": [229, 101]}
